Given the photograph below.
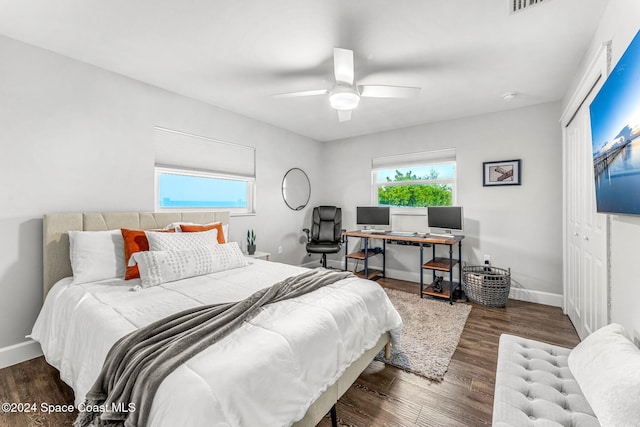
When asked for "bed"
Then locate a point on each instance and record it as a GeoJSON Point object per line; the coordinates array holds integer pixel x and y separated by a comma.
{"type": "Point", "coordinates": [265, 373]}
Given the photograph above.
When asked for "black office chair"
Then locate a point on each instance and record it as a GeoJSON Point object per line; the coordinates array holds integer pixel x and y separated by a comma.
{"type": "Point", "coordinates": [325, 236]}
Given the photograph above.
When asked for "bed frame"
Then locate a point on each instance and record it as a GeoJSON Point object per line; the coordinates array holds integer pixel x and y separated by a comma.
{"type": "Point", "coordinates": [57, 265]}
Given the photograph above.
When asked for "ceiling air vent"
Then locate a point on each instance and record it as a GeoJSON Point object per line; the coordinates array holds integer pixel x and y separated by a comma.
{"type": "Point", "coordinates": [520, 5]}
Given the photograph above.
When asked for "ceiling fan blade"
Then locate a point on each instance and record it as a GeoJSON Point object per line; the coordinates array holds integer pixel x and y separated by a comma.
{"type": "Point", "coordinates": [344, 115]}
{"type": "Point", "coordinates": [304, 93]}
{"type": "Point", "coordinates": [389, 91]}
{"type": "Point", "coordinates": [343, 65]}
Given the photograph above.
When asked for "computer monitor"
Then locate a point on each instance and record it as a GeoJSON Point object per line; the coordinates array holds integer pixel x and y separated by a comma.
{"type": "Point", "coordinates": [374, 217]}
{"type": "Point", "coordinates": [447, 218]}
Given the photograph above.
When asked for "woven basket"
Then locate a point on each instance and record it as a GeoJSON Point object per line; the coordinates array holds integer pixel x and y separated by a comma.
{"type": "Point", "coordinates": [486, 285]}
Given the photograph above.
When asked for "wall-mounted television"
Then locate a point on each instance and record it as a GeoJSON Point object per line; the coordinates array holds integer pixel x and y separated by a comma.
{"type": "Point", "coordinates": [447, 218]}
{"type": "Point", "coordinates": [615, 136]}
{"type": "Point", "coordinates": [373, 217]}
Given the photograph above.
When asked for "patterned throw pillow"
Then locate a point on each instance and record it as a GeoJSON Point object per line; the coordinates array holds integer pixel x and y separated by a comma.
{"type": "Point", "coordinates": [229, 256]}
{"type": "Point", "coordinates": [157, 267]}
{"type": "Point", "coordinates": [181, 241]}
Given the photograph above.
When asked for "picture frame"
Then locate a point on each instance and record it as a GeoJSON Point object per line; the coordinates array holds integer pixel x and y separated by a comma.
{"type": "Point", "coordinates": [502, 172]}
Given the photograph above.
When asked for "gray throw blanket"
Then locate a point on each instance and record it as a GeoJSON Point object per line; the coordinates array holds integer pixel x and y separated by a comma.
{"type": "Point", "coordinates": [138, 362]}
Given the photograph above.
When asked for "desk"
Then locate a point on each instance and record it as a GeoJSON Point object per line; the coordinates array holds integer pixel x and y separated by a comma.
{"type": "Point", "coordinates": [451, 289]}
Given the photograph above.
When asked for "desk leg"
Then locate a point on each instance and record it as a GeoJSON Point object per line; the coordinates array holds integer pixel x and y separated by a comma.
{"type": "Point", "coordinates": [462, 295]}
{"type": "Point", "coordinates": [453, 288]}
{"type": "Point", "coordinates": [384, 258]}
{"type": "Point", "coordinates": [421, 270]}
{"type": "Point", "coordinates": [433, 256]}
{"type": "Point", "coordinates": [366, 257]}
{"type": "Point", "coordinates": [346, 252]}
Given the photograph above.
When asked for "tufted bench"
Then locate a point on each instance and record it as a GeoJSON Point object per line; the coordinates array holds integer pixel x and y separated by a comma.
{"type": "Point", "coordinates": [534, 386]}
{"type": "Point", "coordinates": [596, 383]}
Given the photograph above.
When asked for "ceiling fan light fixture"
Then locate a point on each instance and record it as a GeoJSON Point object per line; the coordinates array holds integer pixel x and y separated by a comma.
{"type": "Point", "coordinates": [345, 95]}
{"type": "Point", "coordinates": [344, 98]}
{"type": "Point", "coordinates": [344, 101]}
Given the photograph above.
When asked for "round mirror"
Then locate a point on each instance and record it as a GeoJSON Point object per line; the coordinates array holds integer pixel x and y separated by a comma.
{"type": "Point", "coordinates": [296, 189]}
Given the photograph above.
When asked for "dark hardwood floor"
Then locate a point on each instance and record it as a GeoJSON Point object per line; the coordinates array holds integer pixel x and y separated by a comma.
{"type": "Point", "coordinates": [382, 396]}
{"type": "Point", "coordinates": [34, 382]}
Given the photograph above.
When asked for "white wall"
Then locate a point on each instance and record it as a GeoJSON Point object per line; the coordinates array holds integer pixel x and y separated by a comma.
{"type": "Point", "coordinates": [620, 24]}
{"type": "Point", "coordinates": [519, 226]}
{"type": "Point", "coordinates": [78, 138]}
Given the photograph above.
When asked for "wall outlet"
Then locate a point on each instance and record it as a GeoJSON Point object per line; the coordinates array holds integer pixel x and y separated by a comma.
{"type": "Point", "coordinates": [279, 250]}
{"type": "Point", "coordinates": [487, 259]}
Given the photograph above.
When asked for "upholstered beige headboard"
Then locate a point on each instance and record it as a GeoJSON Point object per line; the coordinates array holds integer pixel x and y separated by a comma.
{"type": "Point", "coordinates": [56, 240]}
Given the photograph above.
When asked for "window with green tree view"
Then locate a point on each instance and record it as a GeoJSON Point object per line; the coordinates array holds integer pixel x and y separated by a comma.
{"type": "Point", "coordinates": [416, 185]}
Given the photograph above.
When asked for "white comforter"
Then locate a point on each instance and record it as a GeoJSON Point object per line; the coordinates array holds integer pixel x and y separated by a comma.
{"type": "Point", "coordinates": [267, 373]}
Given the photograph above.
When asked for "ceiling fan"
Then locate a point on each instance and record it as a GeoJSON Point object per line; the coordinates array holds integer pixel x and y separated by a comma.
{"type": "Point", "coordinates": [344, 96]}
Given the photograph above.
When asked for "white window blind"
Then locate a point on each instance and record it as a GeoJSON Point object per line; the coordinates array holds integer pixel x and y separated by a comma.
{"type": "Point", "coordinates": [414, 159]}
{"type": "Point", "coordinates": [188, 151]}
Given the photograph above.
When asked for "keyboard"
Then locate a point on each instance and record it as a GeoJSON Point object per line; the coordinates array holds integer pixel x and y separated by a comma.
{"type": "Point", "coordinates": [447, 236]}
{"type": "Point", "coordinates": [403, 233]}
{"type": "Point", "coordinates": [373, 231]}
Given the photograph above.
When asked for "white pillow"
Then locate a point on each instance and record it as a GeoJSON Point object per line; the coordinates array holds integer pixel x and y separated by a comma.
{"type": "Point", "coordinates": [159, 241]}
{"type": "Point", "coordinates": [96, 255]}
{"type": "Point", "coordinates": [606, 366]}
{"type": "Point", "coordinates": [176, 226]}
{"type": "Point", "coordinates": [157, 267]}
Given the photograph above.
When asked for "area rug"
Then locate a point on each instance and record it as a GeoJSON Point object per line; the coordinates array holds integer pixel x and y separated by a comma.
{"type": "Point", "coordinates": [430, 334]}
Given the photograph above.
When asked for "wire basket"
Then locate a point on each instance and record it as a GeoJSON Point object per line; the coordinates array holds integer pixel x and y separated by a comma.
{"type": "Point", "coordinates": [486, 285]}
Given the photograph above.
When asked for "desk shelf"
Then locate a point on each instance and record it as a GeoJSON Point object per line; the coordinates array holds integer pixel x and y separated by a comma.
{"type": "Point", "coordinates": [366, 273]}
{"type": "Point", "coordinates": [372, 273]}
{"type": "Point", "coordinates": [364, 255]}
{"type": "Point", "coordinates": [440, 264]}
{"type": "Point", "coordinates": [446, 290]}
{"type": "Point", "coordinates": [450, 288]}
{"type": "Point", "coordinates": [361, 255]}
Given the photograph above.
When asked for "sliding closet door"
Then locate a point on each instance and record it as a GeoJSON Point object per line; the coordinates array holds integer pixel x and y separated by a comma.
{"type": "Point", "coordinates": [586, 297]}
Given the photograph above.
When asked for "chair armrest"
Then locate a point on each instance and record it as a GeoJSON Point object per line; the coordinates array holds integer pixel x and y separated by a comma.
{"type": "Point", "coordinates": [307, 231]}
{"type": "Point", "coordinates": [344, 230]}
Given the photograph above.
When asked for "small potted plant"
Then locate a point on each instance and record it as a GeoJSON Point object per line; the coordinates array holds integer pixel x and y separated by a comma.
{"type": "Point", "coordinates": [251, 242]}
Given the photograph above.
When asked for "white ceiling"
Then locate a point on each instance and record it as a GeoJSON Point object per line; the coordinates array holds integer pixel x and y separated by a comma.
{"type": "Point", "coordinates": [465, 54]}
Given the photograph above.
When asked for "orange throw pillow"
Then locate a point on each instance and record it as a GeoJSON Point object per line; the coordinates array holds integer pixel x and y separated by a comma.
{"type": "Point", "coordinates": [190, 228]}
{"type": "Point", "coordinates": [135, 241]}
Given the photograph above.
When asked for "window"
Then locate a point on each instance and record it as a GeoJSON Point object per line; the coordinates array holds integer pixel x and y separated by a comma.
{"type": "Point", "coordinates": [196, 172]}
{"type": "Point", "coordinates": [187, 189]}
{"type": "Point", "coordinates": [415, 180]}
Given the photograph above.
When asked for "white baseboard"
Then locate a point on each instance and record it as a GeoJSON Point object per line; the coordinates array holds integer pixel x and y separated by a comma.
{"type": "Point", "coordinates": [314, 264]}
{"type": "Point", "coordinates": [538, 297]}
{"type": "Point", "coordinates": [18, 353]}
